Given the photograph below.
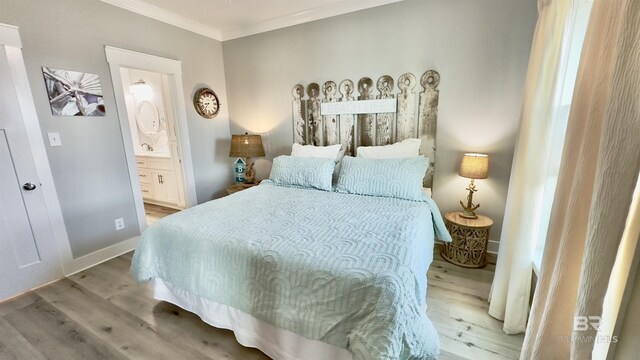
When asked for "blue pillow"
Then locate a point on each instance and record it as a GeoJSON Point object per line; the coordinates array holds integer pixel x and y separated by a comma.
{"type": "Point", "coordinates": [396, 178]}
{"type": "Point", "coordinates": [306, 172]}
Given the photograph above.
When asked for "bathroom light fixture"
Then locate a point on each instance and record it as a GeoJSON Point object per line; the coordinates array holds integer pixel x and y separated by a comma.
{"type": "Point", "coordinates": [141, 90]}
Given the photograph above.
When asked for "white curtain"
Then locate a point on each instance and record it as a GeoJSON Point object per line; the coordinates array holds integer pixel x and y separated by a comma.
{"type": "Point", "coordinates": [533, 166]}
{"type": "Point", "coordinates": [599, 171]}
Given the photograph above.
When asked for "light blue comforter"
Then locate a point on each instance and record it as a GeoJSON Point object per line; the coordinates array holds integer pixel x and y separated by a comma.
{"type": "Point", "coordinates": [349, 270]}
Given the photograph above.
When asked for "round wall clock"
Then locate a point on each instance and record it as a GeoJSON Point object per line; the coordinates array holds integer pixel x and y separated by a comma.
{"type": "Point", "coordinates": [206, 103]}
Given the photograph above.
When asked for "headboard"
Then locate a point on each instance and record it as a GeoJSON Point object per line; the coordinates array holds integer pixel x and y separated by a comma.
{"type": "Point", "coordinates": [363, 122]}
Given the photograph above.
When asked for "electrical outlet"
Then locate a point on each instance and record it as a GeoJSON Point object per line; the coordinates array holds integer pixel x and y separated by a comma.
{"type": "Point", "coordinates": [119, 223]}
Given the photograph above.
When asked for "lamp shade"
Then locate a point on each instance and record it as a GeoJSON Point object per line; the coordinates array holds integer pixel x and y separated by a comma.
{"type": "Point", "coordinates": [246, 146]}
{"type": "Point", "coordinates": [474, 166]}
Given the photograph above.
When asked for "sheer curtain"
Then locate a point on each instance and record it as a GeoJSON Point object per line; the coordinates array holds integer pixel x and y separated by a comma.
{"type": "Point", "coordinates": [537, 156]}
{"type": "Point", "coordinates": [599, 171]}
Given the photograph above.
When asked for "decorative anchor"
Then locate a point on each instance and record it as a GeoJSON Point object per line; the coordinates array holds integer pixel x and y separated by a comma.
{"type": "Point", "coordinates": [470, 208]}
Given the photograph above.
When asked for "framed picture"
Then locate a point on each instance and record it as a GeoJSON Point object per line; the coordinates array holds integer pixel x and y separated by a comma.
{"type": "Point", "coordinates": [73, 93]}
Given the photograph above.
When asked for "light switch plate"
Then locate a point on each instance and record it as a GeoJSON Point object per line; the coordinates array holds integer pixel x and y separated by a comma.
{"type": "Point", "coordinates": [54, 139]}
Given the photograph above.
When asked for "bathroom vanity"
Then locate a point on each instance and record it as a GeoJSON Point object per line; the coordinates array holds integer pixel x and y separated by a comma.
{"type": "Point", "coordinates": [159, 181]}
{"type": "Point", "coordinates": [154, 139]}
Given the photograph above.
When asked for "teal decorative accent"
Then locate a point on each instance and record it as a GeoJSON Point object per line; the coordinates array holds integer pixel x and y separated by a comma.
{"type": "Point", "coordinates": [348, 270]}
{"type": "Point", "coordinates": [396, 178]}
{"type": "Point", "coordinates": [239, 167]}
{"type": "Point", "coordinates": [305, 172]}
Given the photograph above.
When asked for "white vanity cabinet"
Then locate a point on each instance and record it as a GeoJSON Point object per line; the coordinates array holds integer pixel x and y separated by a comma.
{"type": "Point", "coordinates": [165, 186]}
{"type": "Point", "coordinates": [159, 181]}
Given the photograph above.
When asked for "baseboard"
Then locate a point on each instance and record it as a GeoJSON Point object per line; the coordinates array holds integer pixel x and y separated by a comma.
{"type": "Point", "coordinates": [493, 247]}
{"type": "Point", "coordinates": [100, 256]}
{"type": "Point", "coordinates": [13, 297]}
{"type": "Point", "coordinates": [492, 257]}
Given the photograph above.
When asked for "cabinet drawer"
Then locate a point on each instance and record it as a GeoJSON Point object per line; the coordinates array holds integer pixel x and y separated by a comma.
{"type": "Point", "coordinates": [144, 176]}
{"type": "Point", "coordinates": [160, 164]}
{"type": "Point", "coordinates": [147, 191]}
{"type": "Point", "coordinates": [141, 162]}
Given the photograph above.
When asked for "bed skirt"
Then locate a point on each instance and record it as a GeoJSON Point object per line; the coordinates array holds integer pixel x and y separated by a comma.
{"type": "Point", "coordinates": [278, 344]}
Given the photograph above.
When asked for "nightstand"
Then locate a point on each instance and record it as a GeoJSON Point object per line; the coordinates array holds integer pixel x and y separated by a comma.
{"type": "Point", "coordinates": [238, 187]}
{"type": "Point", "coordinates": [470, 239]}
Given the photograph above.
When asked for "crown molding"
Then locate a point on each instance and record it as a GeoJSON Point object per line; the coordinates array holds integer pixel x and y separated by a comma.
{"type": "Point", "coordinates": [154, 12]}
{"type": "Point", "coordinates": [280, 22]}
{"type": "Point", "coordinates": [302, 17]}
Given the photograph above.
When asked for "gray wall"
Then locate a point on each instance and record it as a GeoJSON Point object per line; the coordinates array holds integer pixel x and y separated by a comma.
{"type": "Point", "coordinates": [89, 170]}
{"type": "Point", "coordinates": [480, 48]}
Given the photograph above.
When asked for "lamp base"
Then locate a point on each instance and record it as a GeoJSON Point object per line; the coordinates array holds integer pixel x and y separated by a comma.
{"type": "Point", "coordinates": [468, 215]}
{"type": "Point", "coordinates": [249, 173]}
{"type": "Point", "coordinates": [469, 209]}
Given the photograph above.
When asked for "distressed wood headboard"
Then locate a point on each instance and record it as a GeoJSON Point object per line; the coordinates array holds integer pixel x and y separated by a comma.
{"type": "Point", "coordinates": [415, 115]}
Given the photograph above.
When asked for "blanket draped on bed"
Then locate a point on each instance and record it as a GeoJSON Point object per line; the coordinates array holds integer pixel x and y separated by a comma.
{"type": "Point", "coordinates": [348, 270]}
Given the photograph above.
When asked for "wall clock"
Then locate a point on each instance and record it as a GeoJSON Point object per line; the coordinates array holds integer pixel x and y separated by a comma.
{"type": "Point", "coordinates": [206, 103]}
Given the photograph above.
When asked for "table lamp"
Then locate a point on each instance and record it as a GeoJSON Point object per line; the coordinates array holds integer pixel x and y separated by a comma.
{"type": "Point", "coordinates": [245, 147]}
{"type": "Point", "coordinates": [473, 166]}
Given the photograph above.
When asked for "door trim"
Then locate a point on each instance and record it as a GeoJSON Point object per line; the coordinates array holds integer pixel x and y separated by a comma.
{"type": "Point", "coordinates": [9, 36]}
{"type": "Point", "coordinates": [10, 39]}
{"type": "Point", "coordinates": [118, 58]}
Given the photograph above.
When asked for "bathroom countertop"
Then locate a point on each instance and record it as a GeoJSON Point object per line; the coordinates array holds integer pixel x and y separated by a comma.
{"type": "Point", "coordinates": [153, 154]}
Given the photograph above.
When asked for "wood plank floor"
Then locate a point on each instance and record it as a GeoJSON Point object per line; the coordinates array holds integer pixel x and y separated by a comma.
{"type": "Point", "coordinates": [101, 313]}
{"type": "Point", "coordinates": [157, 212]}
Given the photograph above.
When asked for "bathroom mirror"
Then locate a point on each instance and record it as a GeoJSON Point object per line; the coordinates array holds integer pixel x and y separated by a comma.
{"type": "Point", "coordinates": [147, 118]}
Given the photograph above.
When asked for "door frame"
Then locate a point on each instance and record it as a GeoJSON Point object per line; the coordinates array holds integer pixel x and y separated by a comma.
{"type": "Point", "coordinates": [10, 39]}
{"type": "Point", "coordinates": [118, 58]}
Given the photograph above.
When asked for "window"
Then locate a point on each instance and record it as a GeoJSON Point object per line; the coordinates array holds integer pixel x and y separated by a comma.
{"type": "Point", "coordinates": [567, 77]}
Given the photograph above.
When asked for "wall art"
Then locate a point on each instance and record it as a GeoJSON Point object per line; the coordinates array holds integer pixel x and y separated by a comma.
{"type": "Point", "coordinates": [73, 93]}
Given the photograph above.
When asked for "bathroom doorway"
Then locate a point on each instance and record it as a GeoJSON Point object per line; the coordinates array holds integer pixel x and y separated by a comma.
{"type": "Point", "coordinates": [152, 114]}
{"type": "Point", "coordinates": [155, 143]}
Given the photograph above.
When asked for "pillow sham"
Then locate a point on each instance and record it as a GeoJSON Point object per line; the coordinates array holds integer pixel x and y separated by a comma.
{"type": "Point", "coordinates": [328, 152]}
{"type": "Point", "coordinates": [404, 149]}
{"type": "Point", "coordinates": [395, 178]}
{"type": "Point", "coordinates": [321, 152]}
{"type": "Point", "coordinates": [302, 171]}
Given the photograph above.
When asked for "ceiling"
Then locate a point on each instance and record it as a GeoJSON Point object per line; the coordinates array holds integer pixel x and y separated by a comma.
{"type": "Point", "coordinates": [230, 19]}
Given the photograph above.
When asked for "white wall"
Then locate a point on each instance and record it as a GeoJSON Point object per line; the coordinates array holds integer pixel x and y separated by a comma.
{"type": "Point", "coordinates": [480, 49]}
{"type": "Point", "coordinates": [89, 170]}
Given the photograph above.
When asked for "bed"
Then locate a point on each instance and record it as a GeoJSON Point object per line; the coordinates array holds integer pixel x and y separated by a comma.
{"type": "Point", "coordinates": [308, 274]}
{"type": "Point", "coordinates": [301, 273]}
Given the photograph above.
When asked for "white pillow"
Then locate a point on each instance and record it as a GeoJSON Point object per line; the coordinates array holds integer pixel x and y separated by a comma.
{"type": "Point", "coordinates": [404, 149]}
{"type": "Point", "coordinates": [327, 152]}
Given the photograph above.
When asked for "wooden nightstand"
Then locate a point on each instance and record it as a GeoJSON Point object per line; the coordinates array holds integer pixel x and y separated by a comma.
{"type": "Point", "coordinates": [470, 239]}
{"type": "Point", "coordinates": [238, 187]}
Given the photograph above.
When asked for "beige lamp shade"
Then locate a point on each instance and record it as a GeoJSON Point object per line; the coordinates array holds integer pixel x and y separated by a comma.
{"type": "Point", "coordinates": [246, 145]}
{"type": "Point", "coordinates": [474, 166]}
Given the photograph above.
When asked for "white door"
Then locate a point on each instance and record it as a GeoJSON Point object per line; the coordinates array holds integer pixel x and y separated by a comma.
{"type": "Point", "coordinates": [28, 255]}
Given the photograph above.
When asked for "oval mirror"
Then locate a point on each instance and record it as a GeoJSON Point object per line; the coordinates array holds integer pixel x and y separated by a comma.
{"type": "Point", "coordinates": [147, 118]}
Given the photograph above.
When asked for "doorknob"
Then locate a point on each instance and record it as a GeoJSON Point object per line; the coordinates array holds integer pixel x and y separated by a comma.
{"type": "Point", "coordinates": [29, 186]}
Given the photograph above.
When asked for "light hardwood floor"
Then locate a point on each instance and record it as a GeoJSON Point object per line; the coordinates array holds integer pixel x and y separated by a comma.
{"type": "Point", "coordinates": [101, 313]}
{"type": "Point", "coordinates": [157, 212]}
